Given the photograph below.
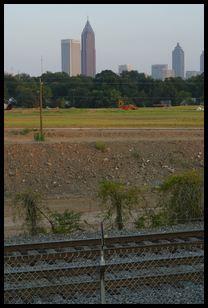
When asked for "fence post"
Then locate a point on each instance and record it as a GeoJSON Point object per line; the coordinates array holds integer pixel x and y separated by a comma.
{"type": "Point", "coordinates": [102, 268]}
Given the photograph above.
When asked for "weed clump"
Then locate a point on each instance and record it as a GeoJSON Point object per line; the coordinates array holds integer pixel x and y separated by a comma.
{"type": "Point", "coordinates": [39, 137]}
{"type": "Point", "coordinates": [99, 145]}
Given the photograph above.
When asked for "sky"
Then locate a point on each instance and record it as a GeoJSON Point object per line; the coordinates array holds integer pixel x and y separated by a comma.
{"type": "Point", "coordinates": [137, 34]}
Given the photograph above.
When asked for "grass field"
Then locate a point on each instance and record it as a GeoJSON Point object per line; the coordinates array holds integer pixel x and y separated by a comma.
{"type": "Point", "coordinates": [183, 116]}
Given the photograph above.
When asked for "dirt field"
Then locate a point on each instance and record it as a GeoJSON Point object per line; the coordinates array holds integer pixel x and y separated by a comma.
{"type": "Point", "coordinates": [68, 167]}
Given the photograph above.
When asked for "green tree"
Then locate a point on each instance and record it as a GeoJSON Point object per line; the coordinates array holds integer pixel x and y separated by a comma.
{"type": "Point", "coordinates": [183, 96]}
{"type": "Point", "coordinates": [107, 78]}
{"type": "Point", "coordinates": [10, 83]}
{"type": "Point", "coordinates": [27, 96]}
{"type": "Point", "coordinates": [6, 92]}
{"type": "Point", "coordinates": [102, 91]}
{"type": "Point", "coordinates": [118, 198]}
{"type": "Point", "coordinates": [195, 86]}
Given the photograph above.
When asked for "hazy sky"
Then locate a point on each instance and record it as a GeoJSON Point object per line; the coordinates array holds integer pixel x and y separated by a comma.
{"type": "Point", "coordinates": [137, 34]}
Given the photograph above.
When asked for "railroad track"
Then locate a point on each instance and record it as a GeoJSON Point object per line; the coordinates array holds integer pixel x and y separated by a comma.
{"type": "Point", "coordinates": [35, 269]}
{"type": "Point", "coordinates": [109, 241]}
{"type": "Point", "coordinates": [90, 248]}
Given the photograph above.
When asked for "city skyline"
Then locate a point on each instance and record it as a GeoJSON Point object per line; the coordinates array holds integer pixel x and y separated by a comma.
{"type": "Point", "coordinates": [137, 34]}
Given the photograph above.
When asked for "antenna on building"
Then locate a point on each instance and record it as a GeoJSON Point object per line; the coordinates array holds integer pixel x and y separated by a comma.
{"type": "Point", "coordinates": [87, 18]}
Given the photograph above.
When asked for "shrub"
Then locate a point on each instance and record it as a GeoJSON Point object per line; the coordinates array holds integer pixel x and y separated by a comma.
{"type": "Point", "coordinates": [29, 205]}
{"type": "Point", "coordinates": [182, 196]}
{"type": "Point", "coordinates": [66, 222]}
{"type": "Point", "coordinates": [25, 131]}
{"type": "Point", "coordinates": [118, 198]}
{"type": "Point", "coordinates": [14, 132]}
{"type": "Point", "coordinates": [99, 145]}
{"type": "Point", "coordinates": [160, 219]}
{"type": "Point", "coordinates": [39, 137]}
{"type": "Point", "coordinates": [136, 154]}
{"type": "Point", "coordinates": [140, 222]}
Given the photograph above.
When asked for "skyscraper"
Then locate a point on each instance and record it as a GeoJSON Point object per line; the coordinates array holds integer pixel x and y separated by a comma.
{"type": "Point", "coordinates": [190, 74]}
{"type": "Point", "coordinates": [70, 57]}
{"type": "Point", "coordinates": [88, 55]}
{"type": "Point", "coordinates": [202, 62]}
{"type": "Point", "coordinates": [161, 71]}
{"type": "Point", "coordinates": [178, 61]}
{"type": "Point", "coordinates": [125, 67]}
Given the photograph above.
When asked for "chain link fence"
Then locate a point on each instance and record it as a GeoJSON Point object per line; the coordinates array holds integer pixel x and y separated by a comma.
{"type": "Point", "coordinates": [160, 277]}
{"type": "Point", "coordinates": [111, 275]}
{"type": "Point", "coordinates": [56, 278]}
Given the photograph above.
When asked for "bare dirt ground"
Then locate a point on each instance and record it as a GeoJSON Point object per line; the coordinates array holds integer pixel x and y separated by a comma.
{"type": "Point", "coordinates": [67, 168]}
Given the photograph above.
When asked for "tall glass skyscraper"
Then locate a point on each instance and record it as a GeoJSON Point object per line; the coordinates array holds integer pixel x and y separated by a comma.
{"type": "Point", "coordinates": [88, 55]}
{"type": "Point", "coordinates": [178, 61]}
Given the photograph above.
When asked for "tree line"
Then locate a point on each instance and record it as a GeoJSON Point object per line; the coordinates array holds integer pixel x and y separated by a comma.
{"type": "Point", "coordinates": [107, 89]}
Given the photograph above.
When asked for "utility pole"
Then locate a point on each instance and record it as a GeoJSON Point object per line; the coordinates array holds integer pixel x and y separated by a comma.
{"type": "Point", "coordinates": [41, 65]}
{"type": "Point", "coordinates": [73, 96]}
{"type": "Point", "coordinates": [41, 106]}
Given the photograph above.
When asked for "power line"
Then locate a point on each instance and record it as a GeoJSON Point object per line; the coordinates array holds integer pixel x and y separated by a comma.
{"type": "Point", "coordinates": [123, 98]}
{"type": "Point", "coordinates": [101, 83]}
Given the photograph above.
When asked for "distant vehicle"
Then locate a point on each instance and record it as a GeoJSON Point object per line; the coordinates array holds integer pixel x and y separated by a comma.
{"type": "Point", "coordinates": [8, 105]}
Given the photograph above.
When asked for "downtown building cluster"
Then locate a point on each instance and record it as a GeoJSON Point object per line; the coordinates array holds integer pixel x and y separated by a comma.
{"type": "Point", "coordinates": [81, 59]}
{"type": "Point", "coordinates": [161, 71]}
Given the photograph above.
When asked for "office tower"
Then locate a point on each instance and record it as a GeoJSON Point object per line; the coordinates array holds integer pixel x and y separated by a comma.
{"type": "Point", "coordinates": [70, 57]}
{"type": "Point", "coordinates": [190, 74]}
{"type": "Point", "coordinates": [88, 55]}
{"type": "Point", "coordinates": [178, 61]}
{"type": "Point", "coordinates": [202, 62]}
{"type": "Point", "coordinates": [159, 71]}
{"type": "Point", "coordinates": [125, 67]}
{"type": "Point", "coordinates": [168, 73]}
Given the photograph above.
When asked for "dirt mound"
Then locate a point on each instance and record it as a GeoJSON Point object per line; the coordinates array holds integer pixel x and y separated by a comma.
{"type": "Point", "coordinates": [77, 168]}
{"type": "Point", "coordinates": [69, 166]}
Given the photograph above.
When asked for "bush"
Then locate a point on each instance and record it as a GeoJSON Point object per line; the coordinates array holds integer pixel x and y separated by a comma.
{"type": "Point", "coordinates": [29, 205]}
{"type": "Point", "coordinates": [160, 219]}
{"type": "Point", "coordinates": [99, 145]}
{"type": "Point", "coordinates": [66, 222]}
{"type": "Point", "coordinates": [136, 154]}
{"type": "Point", "coordinates": [140, 222]}
{"type": "Point", "coordinates": [182, 196]}
{"type": "Point", "coordinates": [39, 137]}
{"type": "Point", "coordinates": [25, 131]}
{"type": "Point", "coordinates": [118, 198]}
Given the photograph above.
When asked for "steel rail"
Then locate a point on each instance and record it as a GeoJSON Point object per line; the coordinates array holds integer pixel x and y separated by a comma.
{"type": "Point", "coordinates": [9, 248]}
{"type": "Point", "coordinates": [95, 253]}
